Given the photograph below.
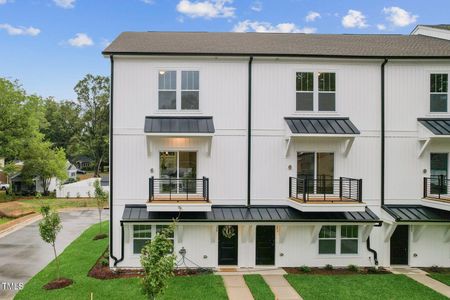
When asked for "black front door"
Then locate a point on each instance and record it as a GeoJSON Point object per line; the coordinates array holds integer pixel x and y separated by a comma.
{"type": "Point", "coordinates": [400, 245]}
{"type": "Point", "coordinates": [265, 245]}
{"type": "Point", "coordinates": [228, 245]}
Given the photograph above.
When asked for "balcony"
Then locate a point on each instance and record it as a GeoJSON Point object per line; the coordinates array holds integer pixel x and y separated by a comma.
{"type": "Point", "coordinates": [183, 194]}
{"type": "Point", "coordinates": [436, 192]}
{"type": "Point", "coordinates": [326, 194]}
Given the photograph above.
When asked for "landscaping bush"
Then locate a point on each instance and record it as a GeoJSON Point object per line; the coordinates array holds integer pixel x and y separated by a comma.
{"type": "Point", "coordinates": [328, 267]}
{"type": "Point", "coordinates": [305, 269]}
{"type": "Point", "coordinates": [353, 268]}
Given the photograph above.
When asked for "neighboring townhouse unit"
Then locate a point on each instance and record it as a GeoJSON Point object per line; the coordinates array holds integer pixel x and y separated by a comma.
{"type": "Point", "coordinates": [280, 149]}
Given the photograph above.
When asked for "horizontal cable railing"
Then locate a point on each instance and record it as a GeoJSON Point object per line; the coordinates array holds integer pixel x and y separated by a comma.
{"type": "Point", "coordinates": [178, 189]}
{"type": "Point", "coordinates": [436, 187]}
{"type": "Point", "coordinates": [325, 189]}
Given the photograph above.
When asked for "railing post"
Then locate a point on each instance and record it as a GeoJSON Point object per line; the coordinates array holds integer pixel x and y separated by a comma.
{"type": "Point", "coordinates": [441, 185]}
{"type": "Point", "coordinates": [290, 187]}
{"type": "Point", "coordinates": [340, 188]}
{"type": "Point", "coordinates": [207, 189]}
{"type": "Point", "coordinates": [425, 181]}
{"type": "Point", "coordinates": [305, 187]}
{"type": "Point", "coordinates": [187, 189]}
{"type": "Point", "coordinates": [151, 188]}
{"type": "Point", "coordinates": [359, 190]}
{"type": "Point", "coordinates": [170, 188]}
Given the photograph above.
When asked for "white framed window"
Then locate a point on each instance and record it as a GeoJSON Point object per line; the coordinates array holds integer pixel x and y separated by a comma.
{"type": "Point", "coordinates": [438, 92]}
{"type": "Point", "coordinates": [339, 239]}
{"type": "Point", "coordinates": [143, 233]}
{"type": "Point", "coordinates": [179, 90]}
{"type": "Point", "coordinates": [316, 91]}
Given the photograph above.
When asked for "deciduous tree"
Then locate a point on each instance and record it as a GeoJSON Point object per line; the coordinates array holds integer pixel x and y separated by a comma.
{"type": "Point", "coordinates": [49, 227]}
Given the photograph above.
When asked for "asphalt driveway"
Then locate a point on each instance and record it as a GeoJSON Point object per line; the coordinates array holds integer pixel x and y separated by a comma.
{"type": "Point", "coordinates": [23, 253]}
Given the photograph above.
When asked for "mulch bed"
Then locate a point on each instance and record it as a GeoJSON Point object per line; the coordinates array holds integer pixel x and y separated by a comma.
{"type": "Point", "coordinates": [336, 271]}
{"type": "Point", "coordinates": [100, 236]}
{"type": "Point", "coordinates": [192, 271]}
{"type": "Point", "coordinates": [437, 270]}
{"type": "Point", "coordinates": [58, 284]}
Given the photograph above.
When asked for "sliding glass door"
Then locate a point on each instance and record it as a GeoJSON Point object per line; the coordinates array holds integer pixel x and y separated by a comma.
{"type": "Point", "coordinates": [318, 169]}
{"type": "Point", "coordinates": [438, 173]}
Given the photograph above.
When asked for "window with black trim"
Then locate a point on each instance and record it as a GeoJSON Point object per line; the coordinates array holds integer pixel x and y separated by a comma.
{"type": "Point", "coordinates": [316, 91]}
{"type": "Point", "coordinates": [438, 92]}
{"type": "Point", "coordinates": [142, 234]}
{"type": "Point", "coordinates": [338, 239]}
{"type": "Point", "coordinates": [178, 90]}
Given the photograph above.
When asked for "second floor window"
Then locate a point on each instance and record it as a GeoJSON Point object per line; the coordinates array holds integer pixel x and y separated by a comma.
{"type": "Point", "coordinates": [438, 92]}
{"type": "Point", "coordinates": [171, 97]}
{"type": "Point", "coordinates": [315, 91]}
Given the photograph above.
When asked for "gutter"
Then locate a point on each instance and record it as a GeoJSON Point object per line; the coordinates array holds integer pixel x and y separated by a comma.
{"type": "Point", "coordinates": [111, 206]}
{"type": "Point", "coordinates": [249, 133]}
{"type": "Point", "coordinates": [375, 254]}
{"type": "Point", "coordinates": [383, 137]}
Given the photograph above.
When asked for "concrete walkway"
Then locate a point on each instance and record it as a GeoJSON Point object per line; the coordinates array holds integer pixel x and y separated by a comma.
{"type": "Point", "coordinates": [236, 287]}
{"type": "Point", "coordinates": [281, 288]}
{"type": "Point", "coordinates": [23, 253]}
{"type": "Point", "coordinates": [422, 277]}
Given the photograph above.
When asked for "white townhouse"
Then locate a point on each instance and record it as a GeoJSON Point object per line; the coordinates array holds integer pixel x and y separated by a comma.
{"type": "Point", "coordinates": [281, 149]}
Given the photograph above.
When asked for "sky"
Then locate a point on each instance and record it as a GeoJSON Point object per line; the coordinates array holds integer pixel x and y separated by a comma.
{"type": "Point", "coordinates": [49, 45]}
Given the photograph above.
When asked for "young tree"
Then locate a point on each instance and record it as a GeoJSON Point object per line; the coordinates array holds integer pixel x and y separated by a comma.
{"type": "Point", "coordinates": [49, 227]}
{"type": "Point", "coordinates": [44, 162]}
{"type": "Point", "coordinates": [101, 198]}
{"type": "Point", "coordinates": [158, 263]}
{"type": "Point", "coordinates": [93, 99]}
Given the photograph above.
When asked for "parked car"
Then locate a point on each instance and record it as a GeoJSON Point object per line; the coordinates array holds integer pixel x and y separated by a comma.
{"type": "Point", "coordinates": [4, 186]}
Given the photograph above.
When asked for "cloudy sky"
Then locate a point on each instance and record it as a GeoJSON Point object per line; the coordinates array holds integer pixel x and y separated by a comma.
{"type": "Point", "coordinates": [48, 45]}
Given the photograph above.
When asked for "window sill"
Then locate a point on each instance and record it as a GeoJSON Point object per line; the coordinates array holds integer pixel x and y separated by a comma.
{"type": "Point", "coordinates": [316, 113]}
{"type": "Point", "coordinates": [437, 114]}
{"type": "Point", "coordinates": [178, 112]}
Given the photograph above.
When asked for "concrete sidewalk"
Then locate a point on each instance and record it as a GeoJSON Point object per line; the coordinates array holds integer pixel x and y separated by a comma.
{"type": "Point", "coordinates": [236, 287]}
{"type": "Point", "coordinates": [281, 288]}
{"type": "Point", "coordinates": [422, 277]}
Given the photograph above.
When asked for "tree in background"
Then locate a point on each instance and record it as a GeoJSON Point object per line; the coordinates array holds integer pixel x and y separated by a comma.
{"type": "Point", "coordinates": [49, 227]}
{"type": "Point", "coordinates": [101, 198]}
{"type": "Point", "coordinates": [63, 124]}
{"type": "Point", "coordinates": [43, 162]}
{"type": "Point", "coordinates": [21, 117]}
{"type": "Point", "coordinates": [93, 99]}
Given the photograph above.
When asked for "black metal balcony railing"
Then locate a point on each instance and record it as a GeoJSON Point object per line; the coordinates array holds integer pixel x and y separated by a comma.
{"type": "Point", "coordinates": [436, 187]}
{"type": "Point", "coordinates": [182, 189]}
{"type": "Point", "coordinates": [332, 190]}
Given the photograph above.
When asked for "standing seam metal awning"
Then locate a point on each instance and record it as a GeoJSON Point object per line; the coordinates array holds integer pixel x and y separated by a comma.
{"type": "Point", "coordinates": [438, 126]}
{"type": "Point", "coordinates": [183, 125]}
{"type": "Point", "coordinates": [139, 213]}
{"type": "Point", "coordinates": [417, 213]}
{"type": "Point", "coordinates": [321, 126]}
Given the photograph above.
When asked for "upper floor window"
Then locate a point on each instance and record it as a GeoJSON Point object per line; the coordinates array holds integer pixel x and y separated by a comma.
{"type": "Point", "coordinates": [315, 91]}
{"type": "Point", "coordinates": [170, 96]}
{"type": "Point", "coordinates": [438, 92]}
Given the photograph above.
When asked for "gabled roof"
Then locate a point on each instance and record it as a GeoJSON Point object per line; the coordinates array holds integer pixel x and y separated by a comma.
{"type": "Point", "coordinates": [417, 213]}
{"type": "Point", "coordinates": [438, 126]}
{"type": "Point", "coordinates": [278, 44]}
{"type": "Point", "coordinates": [139, 213]}
{"type": "Point", "coordinates": [321, 126]}
{"type": "Point", "coordinates": [439, 26]}
{"type": "Point", "coordinates": [196, 125]}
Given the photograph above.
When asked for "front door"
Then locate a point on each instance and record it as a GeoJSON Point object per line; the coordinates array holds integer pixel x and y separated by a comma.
{"type": "Point", "coordinates": [228, 245]}
{"type": "Point", "coordinates": [400, 245]}
{"type": "Point", "coordinates": [265, 245]}
{"type": "Point", "coordinates": [438, 173]}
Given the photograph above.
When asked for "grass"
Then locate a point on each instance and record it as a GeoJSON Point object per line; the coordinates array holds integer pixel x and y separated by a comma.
{"type": "Point", "coordinates": [259, 288]}
{"type": "Point", "coordinates": [442, 277]}
{"type": "Point", "coordinates": [78, 258]}
{"type": "Point", "coordinates": [58, 203]}
{"type": "Point", "coordinates": [360, 287]}
{"type": "Point", "coordinates": [4, 220]}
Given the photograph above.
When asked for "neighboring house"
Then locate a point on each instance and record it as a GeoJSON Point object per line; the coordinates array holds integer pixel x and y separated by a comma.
{"type": "Point", "coordinates": [441, 31]}
{"type": "Point", "coordinates": [83, 161]}
{"type": "Point", "coordinates": [281, 150]}
{"type": "Point", "coordinates": [81, 189]}
{"type": "Point", "coordinates": [71, 170]}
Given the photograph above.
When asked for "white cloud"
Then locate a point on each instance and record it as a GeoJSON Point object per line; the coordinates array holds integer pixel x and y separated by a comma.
{"type": "Point", "coordinates": [256, 6]}
{"type": "Point", "coordinates": [207, 9]}
{"type": "Point", "coordinates": [20, 30]}
{"type": "Point", "coordinates": [81, 40]}
{"type": "Point", "coordinates": [312, 16]}
{"type": "Point", "coordinates": [381, 27]}
{"type": "Point", "coordinates": [3, 2]}
{"type": "Point", "coordinates": [148, 1]}
{"type": "Point", "coordinates": [354, 18]}
{"type": "Point", "coordinates": [65, 3]}
{"type": "Point", "coordinates": [399, 17]}
{"type": "Point", "coordinates": [256, 26]}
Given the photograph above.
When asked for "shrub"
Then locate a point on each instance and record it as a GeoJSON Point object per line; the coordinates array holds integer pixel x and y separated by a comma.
{"type": "Point", "coordinates": [329, 267]}
{"type": "Point", "coordinates": [353, 268]}
{"type": "Point", "coordinates": [305, 269]}
{"type": "Point", "coordinates": [435, 269]}
{"type": "Point", "coordinates": [104, 262]}
{"type": "Point", "coordinates": [372, 270]}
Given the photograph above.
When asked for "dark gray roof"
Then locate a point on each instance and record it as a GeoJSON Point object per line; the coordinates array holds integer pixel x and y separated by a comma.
{"type": "Point", "coordinates": [321, 126]}
{"type": "Point", "coordinates": [417, 213]}
{"type": "Point", "coordinates": [179, 125]}
{"type": "Point", "coordinates": [438, 126]}
{"type": "Point", "coordinates": [278, 44]}
{"type": "Point", "coordinates": [244, 214]}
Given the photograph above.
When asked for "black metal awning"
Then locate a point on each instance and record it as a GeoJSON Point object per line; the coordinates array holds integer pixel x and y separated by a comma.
{"type": "Point", "coordinates": [139, 213]}
{"type": "Point", "coordinates": [417, 213]}
{"type": "Point", "coordinates": [438, 126]}
{"type": "Point", "coordinates": [183, 125]}
{"type": "Point", "coordinates": [338, 126]}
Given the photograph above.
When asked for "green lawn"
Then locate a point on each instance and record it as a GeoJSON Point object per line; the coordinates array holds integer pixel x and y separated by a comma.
{"type": "Point", "coordinates": [259, 288]}
{"type": "Point", "coordinates": [80, 256]}
{"type": "Point", "coordinates": [360, 287]}
{"type": "Point", "coordinates": [442, 277]}
{"type": "Point", "coordinates": [57, 203]}
{"type": "Point", "coordinates": [4, 220]}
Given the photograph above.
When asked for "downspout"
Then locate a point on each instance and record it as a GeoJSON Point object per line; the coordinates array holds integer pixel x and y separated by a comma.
{"type": "Point", "coordinates": [383, 129]}
{"type": "Point", "coordinates": [375, 254]}
{"type": "Point", "coordinates": [111, 206]}
{"type": "Point", "coordinates": [249, 133]}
